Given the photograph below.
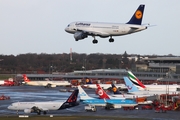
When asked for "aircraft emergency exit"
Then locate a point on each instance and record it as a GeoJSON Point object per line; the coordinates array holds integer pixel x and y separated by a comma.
{"type": "Point", "coordinates": [82, 30]}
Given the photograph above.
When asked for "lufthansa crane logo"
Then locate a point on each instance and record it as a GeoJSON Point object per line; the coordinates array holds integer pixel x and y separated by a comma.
{"type": "Point", "coordinates": [114, 89]}
{"type": "Point", "coordinates": [138, 14]}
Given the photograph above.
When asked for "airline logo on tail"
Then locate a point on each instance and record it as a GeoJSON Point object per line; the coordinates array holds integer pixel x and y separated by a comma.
{"type": "Point", "coordinates": [128, 87]}
{"type": "Point", "coordinates": [114, 89]}
{"type": "Point", "coordinates": [135, 80]}
{"type": "Point", "coordinates": [138, 14]}
{"type": "Point", "coordinates": [25, 78]}
{"type": "Point", "coordinates": [137, 17]}
{"type": "Point", "coordinates": [73, 97]}
{"type": "Point", "coordinates": [102, 94]}
{"type": "Point", "coordinates": [71, 101]}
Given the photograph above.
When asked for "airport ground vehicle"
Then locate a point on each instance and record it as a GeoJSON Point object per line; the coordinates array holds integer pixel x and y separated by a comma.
{"type": "Point", "coordinates": [160, 108]}
{"type": "Point", "coordinates": [147, 107]}
{"type": "Point", "coordinates": [90, 108]}
{"type": "Point", "coordinates": [129, 108]}
{"type": "Point", "coordinates": [3, 97]}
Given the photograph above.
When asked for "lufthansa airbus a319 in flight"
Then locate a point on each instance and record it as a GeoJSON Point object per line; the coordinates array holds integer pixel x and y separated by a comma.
{"type": "Point", "coordinates": [82, 30]}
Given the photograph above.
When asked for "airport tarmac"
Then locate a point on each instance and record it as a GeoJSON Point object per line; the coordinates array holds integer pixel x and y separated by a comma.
{"type": "Point", "coordinates": [32, 93]}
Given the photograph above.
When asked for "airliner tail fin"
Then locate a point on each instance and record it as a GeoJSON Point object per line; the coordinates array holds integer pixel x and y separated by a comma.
{"type": "Point", "coordinates": [83, 95]}
{"type": "Point", "coordinates": [135, 80]}
{"type": "Point", "coordinates": [137, 16]}
{"type": "Point", "coordinates": [25, 78]}
{"type": "Point", "coordinates": [130, 86]}
{"type": "Point", "coordinates": [102, 94]}
{"type": "Point", "coordinates": [114, 89]}
{"type": "Point", "coordinates": [73, 97]}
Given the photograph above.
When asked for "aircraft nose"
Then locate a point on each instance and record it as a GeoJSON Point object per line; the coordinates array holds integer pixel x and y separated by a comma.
{"type": "Point", "coordinates": [66, 29]}
{"type": "Point", "coordinates": [9, 107]}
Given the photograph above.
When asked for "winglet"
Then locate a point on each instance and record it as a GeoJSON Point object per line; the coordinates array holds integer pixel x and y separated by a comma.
{"type": "Point", "coordinates": [137, 16]}
{"type": "Point", "coordinates": [102, 94]}
{"type": "Point", "coordinates": [25, 78]}
{"type": "Point", "coordinates": [130, 86]}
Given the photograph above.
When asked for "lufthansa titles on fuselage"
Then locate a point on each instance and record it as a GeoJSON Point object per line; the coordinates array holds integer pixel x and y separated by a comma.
{"type": "Point", "coordinates": [82, 24]}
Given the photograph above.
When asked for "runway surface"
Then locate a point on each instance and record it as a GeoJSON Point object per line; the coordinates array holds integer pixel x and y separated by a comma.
{"type": "Point", "coordinates": [31, 93]}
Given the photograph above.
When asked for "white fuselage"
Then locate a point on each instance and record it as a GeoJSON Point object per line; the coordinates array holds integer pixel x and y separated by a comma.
{"type": "Point", "coordinates": [171, 88]}
{"type": "Point", "coordinates": [105, 86]}
{"type": "Point", "coordinates": [130, 96]}
{"type": "Point", "coordinates": [44, 106]}
{"type": "Point", "coordinates": [104, 29]}
{"type": "Point", "coordinates": [1, 82]}
{"type": "Point", "coordinates": [45, 83]}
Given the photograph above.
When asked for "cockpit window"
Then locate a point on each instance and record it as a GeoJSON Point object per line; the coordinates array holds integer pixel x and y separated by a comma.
{"type": "Point", "coordinates": [68, 25]}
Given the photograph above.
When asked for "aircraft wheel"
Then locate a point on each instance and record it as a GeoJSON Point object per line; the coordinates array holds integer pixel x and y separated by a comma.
{"type": "Point", "coordinates": [111, 40]}
{"type": "Point", "coordinates": [38, 112]}
{"type": "Point", "coordinates": [95, 41]}
{"type": "Point", "coordinates": [44, 112]}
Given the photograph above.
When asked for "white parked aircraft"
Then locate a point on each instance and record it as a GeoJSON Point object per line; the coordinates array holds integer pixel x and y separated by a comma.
{"type": "Point", "coordinates": [38, 107]}
{"type": "Point", "coordinates": [82, 30]}
{"type": "Point", "coordinates": [45, 83]}
{"type": "Point", "coordinates": [164, 88]}
{"type": "Point", "coordinates": [104, 86]}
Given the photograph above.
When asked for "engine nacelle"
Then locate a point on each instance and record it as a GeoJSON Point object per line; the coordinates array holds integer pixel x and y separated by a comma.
{"type": "Point", "coordinates": [53, 85]}
{"type": "Point", "coordinates": [27, 110]}
{"type": "Point", "coordinates": [79, 35]}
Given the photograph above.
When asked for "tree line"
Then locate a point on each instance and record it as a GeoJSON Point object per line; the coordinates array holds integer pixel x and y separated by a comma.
{"type": "Point", "coordinates": [48, 63]}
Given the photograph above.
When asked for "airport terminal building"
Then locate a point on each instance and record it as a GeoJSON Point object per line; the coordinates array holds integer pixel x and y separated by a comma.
{"type": "Point", "coordinates": [159, 69]}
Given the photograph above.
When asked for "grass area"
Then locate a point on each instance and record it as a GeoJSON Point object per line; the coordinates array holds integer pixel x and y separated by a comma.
{"type": "Point", "coordinates": [69, 118]}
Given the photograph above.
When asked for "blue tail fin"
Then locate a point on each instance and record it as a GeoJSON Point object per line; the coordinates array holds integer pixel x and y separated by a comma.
{"type": "Point", "coordinates": [130, 86]}
{"type": "Point", "coordinates": [138, 15]}
{"type": "Point", "coordinates": [114, 89]}
{"type": "Point", "coordinates": [82, 94]}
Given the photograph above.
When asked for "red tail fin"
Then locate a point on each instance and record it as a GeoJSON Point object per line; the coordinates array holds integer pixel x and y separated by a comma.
{"type": "Point", "coordinates": [25, 78]}
{"type": "Point", "coordinates": [102, 94]}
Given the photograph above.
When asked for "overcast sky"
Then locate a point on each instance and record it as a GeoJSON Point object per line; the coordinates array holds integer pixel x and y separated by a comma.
{"type": "Point", "coordinates": [37, 26]}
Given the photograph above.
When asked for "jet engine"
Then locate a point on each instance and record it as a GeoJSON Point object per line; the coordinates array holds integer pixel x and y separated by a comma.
{"type": "Point", "coordinates": [79, 35]}
{"type": "Point", "coordinates": [27, 110]}
{"type": "Point", "coordinates": [50, 86]}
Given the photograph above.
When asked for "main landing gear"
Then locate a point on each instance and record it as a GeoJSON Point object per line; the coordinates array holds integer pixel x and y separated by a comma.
{"type": "Point", "coordinates": [95, 41]}
{"type": "Point", "coordinates": [111, 39]}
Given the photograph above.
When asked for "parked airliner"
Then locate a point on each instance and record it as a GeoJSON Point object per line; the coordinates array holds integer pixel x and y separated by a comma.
{"type": "Point", "coordinates": [89, 84]}
{"type": "Point", "coordinates": [82, 30]}
{"type": "Point", "coordinates": [105, 102]}
{"type": "Point", "coordinates": [45, 83]}
{"type": "Point", "coordinates": [38, 107]}
{"type": "Point", "coordinates": [140, 98]}
{"type": "Point", "coordinates": [164, 88]}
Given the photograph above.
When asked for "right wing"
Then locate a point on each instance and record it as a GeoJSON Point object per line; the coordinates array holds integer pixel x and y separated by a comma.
{"type": "Point", "coordinates": [94, 33]}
